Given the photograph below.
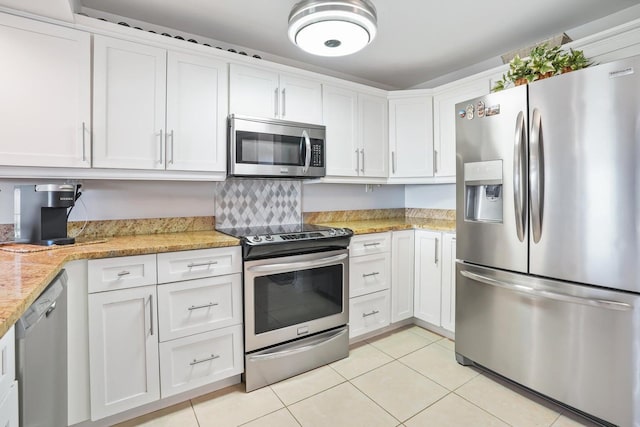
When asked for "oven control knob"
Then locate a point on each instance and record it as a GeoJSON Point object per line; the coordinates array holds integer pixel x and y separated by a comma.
{"type": "Point", "coordinates": [256, 238]}
{"type": "Point", "coordinates": [268, 237]}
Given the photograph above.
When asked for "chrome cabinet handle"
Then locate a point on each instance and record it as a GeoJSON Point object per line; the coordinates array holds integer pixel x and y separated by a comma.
{"type": "Point", "coordinates": [212, 357]}
{"type": "Point", "coordinates": [372, 313]}
{"type": "Point", "coordinates": [284, 102]}
{"type": "Point", "coordinates": [536, 175]}
{"type": "Point", "coordinates": [519, 177]}
{"type": "Point", "coordinates": [435, 161]}
{"type": "Point", "coordinates": [514, 287]}
{"type": "Point", "coordinates": [375, 273]}
{"type": "Point", "coordinates": [371, 244]}
{"type": "Point", "coordinates": [84, 149]}
{"type": "Point", "coordinates": [362, 152]}
{"type": "Point", "coordinates": [161, 158]}
{"type": "Point", "coordinates": [171, 150]}
{"type": "Point", "coordinates": [277, 99]}
{"type": "Point", "coordinates": [198, 307]}
{"type": "Point", "coordinates": [201, 264]}
{"type": "Point", "coordinates": [123, 273]}
{"type": "Point", "coordinates": [435, 257]}
{"type": "Point", "coordinates": [357, 160]}
{"type": "Point", "coordinates": [393, 162]}
{"type": "Point", "coordinates": [151, 315]}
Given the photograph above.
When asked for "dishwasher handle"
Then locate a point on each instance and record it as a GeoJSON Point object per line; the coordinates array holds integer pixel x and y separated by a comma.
{"type": "Point", "coordinates": [42, 307]}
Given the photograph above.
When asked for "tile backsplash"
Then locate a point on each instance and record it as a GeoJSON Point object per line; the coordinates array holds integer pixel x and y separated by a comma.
{"type": "Point", "coordinates": [258, 202]}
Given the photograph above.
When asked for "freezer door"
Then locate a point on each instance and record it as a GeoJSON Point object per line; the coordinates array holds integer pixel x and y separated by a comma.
{"type": "Point", "coordinates": [574, 343]}
{"type": "Point", "coordinates": [491, 180]}
{"type": "Point", "coordinates": [584, 176]}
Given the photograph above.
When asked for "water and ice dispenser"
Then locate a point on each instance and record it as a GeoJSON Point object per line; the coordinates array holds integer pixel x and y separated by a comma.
{"type": "Point", "coordinates": [483, 191]}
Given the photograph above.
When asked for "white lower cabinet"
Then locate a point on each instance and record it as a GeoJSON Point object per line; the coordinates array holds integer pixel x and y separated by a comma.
{"type": "Point", "coordinates": [123, 350]}
{"type": "Point", "coordinates": [368, 313]}
{"type": "Point", "coordinates": [9, 407]}
{"type": "Point", "coordinates": [402, 271]}
{"type": "Point", "coordinates": [8, 384]}
{"type": "Point", "coordinates": [369, 273]}
{"type": "Point", "coordinates": [200, 359]}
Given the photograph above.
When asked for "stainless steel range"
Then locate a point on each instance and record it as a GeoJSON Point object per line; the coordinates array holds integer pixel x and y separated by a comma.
{"type": "Point", "coordinates": [296, 299]}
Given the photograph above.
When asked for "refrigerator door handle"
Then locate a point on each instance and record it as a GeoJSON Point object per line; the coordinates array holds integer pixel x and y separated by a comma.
{"type": "Point", "coordinates": [611, 305]}
{"type": "Point", "coordinates": [519, 176]}
{"type": "Point", "coordinates": [536, 175]}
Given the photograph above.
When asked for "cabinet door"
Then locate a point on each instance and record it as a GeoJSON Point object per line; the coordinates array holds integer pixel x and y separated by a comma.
{"type": "Point", "coordinates": [411, 137]}
{"type": "Point", "coordinates": [369, 273]}
{"type": "Point", "coordinates": [427, 277]}
{"type": "Point", "coordinates": [368, 313]}
{"type": "Point", "coordinates": [300, 99]}
{"type": "Point", "coordinates": [123, 349]}
{"type": "Point", "coordinates": [9, 411]}
{"type": "Point", "coordinates": [402, 270]}
{"type": "Point", "coordinates": [373, 119]}
{"type": "Point", "coordinates": [444, 125]}
{"type": "Point", "coordinates": [253, 92]}
{"type": "Point", "coordinates": [448, 315]}
{"type": "Point", "coordinates": [196, 113]}
{"type": "Point", "coordinates": [129, 88]}
{"type": "Point", "coordinates": [340, 114]}
{"type": "Point", "coordinates": [45, 94]}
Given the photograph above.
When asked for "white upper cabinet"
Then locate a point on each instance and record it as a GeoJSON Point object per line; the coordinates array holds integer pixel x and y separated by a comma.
{"type": "Point", "coordinates": [45, 86]}
{"type": "Point", "coordinates": [155, 109]}
{"type": "Point", "coordinates": [444, 122]}
{"type": "Point", "coordinates": [373, 116]}
{"type": "Point", "coordinates": [411, 137]}
{"type": "Point", "coordinates": [196, 113]}
{"type": "Point", "coordinates": [129, 89]}
{"type": "Point", "coordinates": [264, 93]}
{"type": "Point", "coordinates": [340, 113]}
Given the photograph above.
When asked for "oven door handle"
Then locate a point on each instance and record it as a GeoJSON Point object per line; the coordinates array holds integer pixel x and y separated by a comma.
{"type": "Point", "coordinates": [293, 266]}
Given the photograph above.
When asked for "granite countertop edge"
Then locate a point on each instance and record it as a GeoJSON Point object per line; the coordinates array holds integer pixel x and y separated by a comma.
{"type": "Point", "coordinates": [23, 276]}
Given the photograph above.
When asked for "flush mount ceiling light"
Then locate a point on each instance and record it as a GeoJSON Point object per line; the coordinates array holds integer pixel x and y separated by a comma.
{"type": "Point", "coordinates": [332, 27]}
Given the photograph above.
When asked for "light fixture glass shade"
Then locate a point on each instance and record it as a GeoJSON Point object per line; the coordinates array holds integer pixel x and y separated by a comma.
{"type": "Point", "coordinates": [332, 28]}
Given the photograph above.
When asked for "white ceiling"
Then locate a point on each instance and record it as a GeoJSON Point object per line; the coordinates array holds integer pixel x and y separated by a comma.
{"type": "Point", "coordinates": [418, 40]}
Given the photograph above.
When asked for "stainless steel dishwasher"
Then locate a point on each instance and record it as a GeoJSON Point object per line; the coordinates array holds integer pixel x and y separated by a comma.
{"type": "Point", "coordinates": [41, 351]}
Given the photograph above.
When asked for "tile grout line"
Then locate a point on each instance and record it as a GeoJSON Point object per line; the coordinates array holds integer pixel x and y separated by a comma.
{"type": "Point", "coordinates": [480, 407]}
{"type": "Point", "coordinates": [195, 415]}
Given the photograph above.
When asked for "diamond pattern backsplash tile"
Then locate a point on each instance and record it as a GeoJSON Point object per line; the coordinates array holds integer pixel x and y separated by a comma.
{"type": "Point", "coordinates": [258, 202]}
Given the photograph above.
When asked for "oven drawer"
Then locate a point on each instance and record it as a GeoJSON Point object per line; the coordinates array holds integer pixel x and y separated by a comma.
{"type": "Point", "coordinates": [366, 244]}
{"type": "Point", "coordinates": [185, 265]}
{"type": "Point", "coordinates": [200, 305]}
{"type": "Point", "coordinates": [109, 274]}
{"type": "Point", "coordinates": [369, 274]}
{"type": "Point", "coordinates": [201, 359]}
{"type": "Point", "coordinates": [369, 312]}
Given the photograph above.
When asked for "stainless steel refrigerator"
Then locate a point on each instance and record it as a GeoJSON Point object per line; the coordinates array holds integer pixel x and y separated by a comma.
{"type": "Point", "coordinates": [548, 238]}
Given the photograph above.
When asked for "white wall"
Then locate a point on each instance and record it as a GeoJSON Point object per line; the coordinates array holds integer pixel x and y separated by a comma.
{"type": "Point", "coordinates": [441, 196]}
{"type": "Point", "coordinates": [338, 197]}
{"type": "Point", "coordinates": [127, 199]}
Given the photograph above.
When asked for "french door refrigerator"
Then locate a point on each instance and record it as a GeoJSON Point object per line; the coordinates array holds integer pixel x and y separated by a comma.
{"type": "Point", "coordinates": [548, 238]}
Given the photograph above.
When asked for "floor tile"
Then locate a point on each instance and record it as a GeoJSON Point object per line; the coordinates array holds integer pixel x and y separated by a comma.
{"type": "Point", "coordinates": [399, 390]}
{"type": "Point", "coordinates": [454, 411]}
{"type": "Point", "coordinates": [232, 406]}
{"type": "Point", "coordinates": [281, 418]}
{"type": "Point", "coordinates": [516, 407]}
{"type": "Point", "coordinates": [569, 419]}
{"type": "Point", "coordinates": [341, 406]}
{"type": "Point", "coordinates": [400, 343]}
{"type": "Point", "coordinates": [447, 343]}
{"type": "Point", "coordinates": [425, 333]}
{"type": "Point", "coordinates": [302, 386]}
{"type": "Point", "coordinates": [439, 364]}
{"type": "Point", "coordinates": [177, 415]}
{"type": "Point", "coordinates": [361, 359]}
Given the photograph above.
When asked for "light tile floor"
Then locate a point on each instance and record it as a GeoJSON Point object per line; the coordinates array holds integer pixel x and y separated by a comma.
{"type": "Point", "coordinates": [408, 377]}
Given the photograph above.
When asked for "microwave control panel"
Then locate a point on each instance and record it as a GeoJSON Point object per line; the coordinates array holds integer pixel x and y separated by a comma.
{"type": "Point", "coordinates": [317, 153]}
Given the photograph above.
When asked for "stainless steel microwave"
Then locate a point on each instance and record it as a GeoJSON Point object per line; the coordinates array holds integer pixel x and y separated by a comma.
{"type": "Point", "coordinates": [275, 148]}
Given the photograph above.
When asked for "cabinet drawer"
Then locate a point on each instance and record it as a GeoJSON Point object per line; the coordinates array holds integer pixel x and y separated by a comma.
{"type": "Point", "coordinates": [185, 265]}
{"type": "Point", "coordinates": [123, 272]}
{"type": "Point", "coordinates": [194, 306]}
{"type": "Point", "coordinates": [7, 362]}
{"type": "Point", "coordinates": [369, 274]}
{"type": "Point", "coordinates": [9, 406]}
{"type": "Point", "coordinates": [194, 361]}
{"type": "Point", "coordinates": [368, 313]}
{"type": "Point", "coordinates": [366, 244]}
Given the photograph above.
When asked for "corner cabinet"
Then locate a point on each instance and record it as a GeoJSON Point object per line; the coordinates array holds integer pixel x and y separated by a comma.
{"type": "Point", "coordinates": [45, 101]}
{"type": "Point", "coordinates": [155, 109]}
{"type": "Point", "coordinates": [411, 136]}
{"type": "Point", "coordinates": [356, 134]}
{"type": "Point", "coordinates": [265, 93]}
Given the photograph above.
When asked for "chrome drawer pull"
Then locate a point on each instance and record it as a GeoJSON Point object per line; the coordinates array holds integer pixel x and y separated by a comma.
{"type": "Point", "coordinates": [374, 312]}
{"type": "Point", "coordinates": [375, 273]}
{"type": "Point", "coordinates": [124, 273]}
{"type": "Point", "coordinates": [371, 244]}
{"type": "Point", "coordinates": [196, 361]}
{"type": "Point", "coordinates": [201, 264]}
{"type": "Point", "coordinates": [196, 307]}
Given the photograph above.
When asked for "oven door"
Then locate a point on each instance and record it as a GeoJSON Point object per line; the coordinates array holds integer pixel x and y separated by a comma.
{"type": "Point", "coordinates": [290, 297]}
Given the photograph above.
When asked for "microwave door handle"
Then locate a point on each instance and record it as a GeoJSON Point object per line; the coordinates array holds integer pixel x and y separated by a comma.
{"type": "Point", "coordinates": [307, 151]}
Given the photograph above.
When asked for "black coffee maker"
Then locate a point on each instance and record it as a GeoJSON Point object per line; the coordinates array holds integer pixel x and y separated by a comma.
{"type": "Point", "coordinates": [41, 213]}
